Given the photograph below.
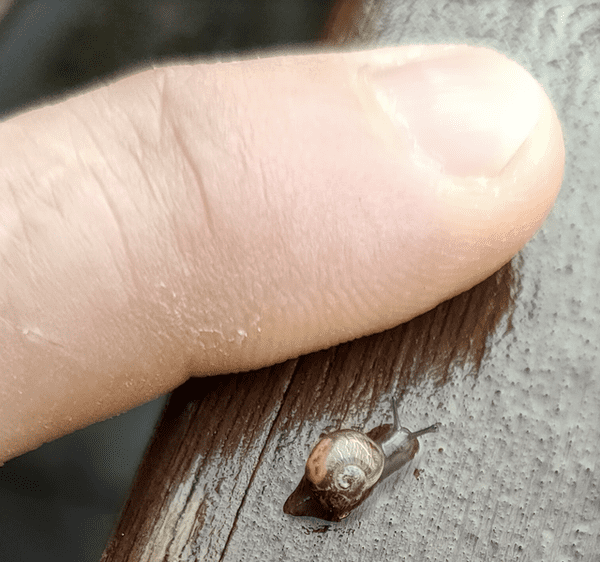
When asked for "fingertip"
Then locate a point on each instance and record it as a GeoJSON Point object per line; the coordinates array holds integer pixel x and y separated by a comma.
{"type": "Point", "coordinates": [381, 224]}
{"type": "Point", "coordinates": [491, 219]}
{"type": "Point", "coordinates": [484, 147]}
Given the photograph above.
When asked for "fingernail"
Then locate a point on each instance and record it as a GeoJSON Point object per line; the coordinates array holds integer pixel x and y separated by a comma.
{"type": "Point", "coordinates": [469, 111]}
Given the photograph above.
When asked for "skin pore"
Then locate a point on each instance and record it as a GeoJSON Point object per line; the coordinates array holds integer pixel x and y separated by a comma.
{"type": "Point", "coordinates": [216, 217]}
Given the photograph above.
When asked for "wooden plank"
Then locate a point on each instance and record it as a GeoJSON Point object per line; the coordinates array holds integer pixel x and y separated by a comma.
{"type": "Point", "coordinates": [200, 464]}
{"type": "Point", "coordinates": [218, 435]}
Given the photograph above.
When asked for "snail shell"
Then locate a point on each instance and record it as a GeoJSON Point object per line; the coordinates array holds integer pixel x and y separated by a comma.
{"type": "Point", "coordinates": [344, 467]}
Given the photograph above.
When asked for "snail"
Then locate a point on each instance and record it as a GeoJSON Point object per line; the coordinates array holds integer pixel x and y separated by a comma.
{"type": "Point", "coordinates": [344, 467]}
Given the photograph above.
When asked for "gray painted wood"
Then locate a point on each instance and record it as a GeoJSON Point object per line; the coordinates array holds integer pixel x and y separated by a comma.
{"type": "Point", "coordinates": [514, 473]}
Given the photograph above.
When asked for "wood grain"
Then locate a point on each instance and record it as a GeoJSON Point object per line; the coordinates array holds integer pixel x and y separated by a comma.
{"type": "Point", "coordinates": [214, 434]}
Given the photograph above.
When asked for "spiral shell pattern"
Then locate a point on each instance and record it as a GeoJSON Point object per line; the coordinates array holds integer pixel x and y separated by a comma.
{"type": "Point", "coordinates": [344, 467]}
{"type": "Point", "coordinates": [347, 462]}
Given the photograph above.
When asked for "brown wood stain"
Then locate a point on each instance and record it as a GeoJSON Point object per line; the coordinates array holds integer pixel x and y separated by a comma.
{"type": "Point", "coordinates": [213, 430]}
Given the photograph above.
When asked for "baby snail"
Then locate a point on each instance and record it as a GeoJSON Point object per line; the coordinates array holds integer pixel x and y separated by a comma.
{"type": "Point", "coordinates": [344, 466]}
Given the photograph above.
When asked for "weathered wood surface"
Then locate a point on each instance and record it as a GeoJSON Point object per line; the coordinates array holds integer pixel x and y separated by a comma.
{"type": "Point", "coordinates": [514, 472]}
{"type": "Point", "coordinates": [229, 449]}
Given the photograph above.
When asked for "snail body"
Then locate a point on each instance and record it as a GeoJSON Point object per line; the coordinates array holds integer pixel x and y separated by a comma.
{"type": "Point", "coordinates": [344, 467]}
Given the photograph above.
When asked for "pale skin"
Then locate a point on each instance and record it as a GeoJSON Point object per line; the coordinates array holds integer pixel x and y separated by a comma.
{"type": "Point", "coordinates": [191, 220]}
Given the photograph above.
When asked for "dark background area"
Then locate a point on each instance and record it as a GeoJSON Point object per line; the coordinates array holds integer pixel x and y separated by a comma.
{"type": "Point", "coordinates": [60, 502]}
{"type": "Point", "coordinates": [50, 46]}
